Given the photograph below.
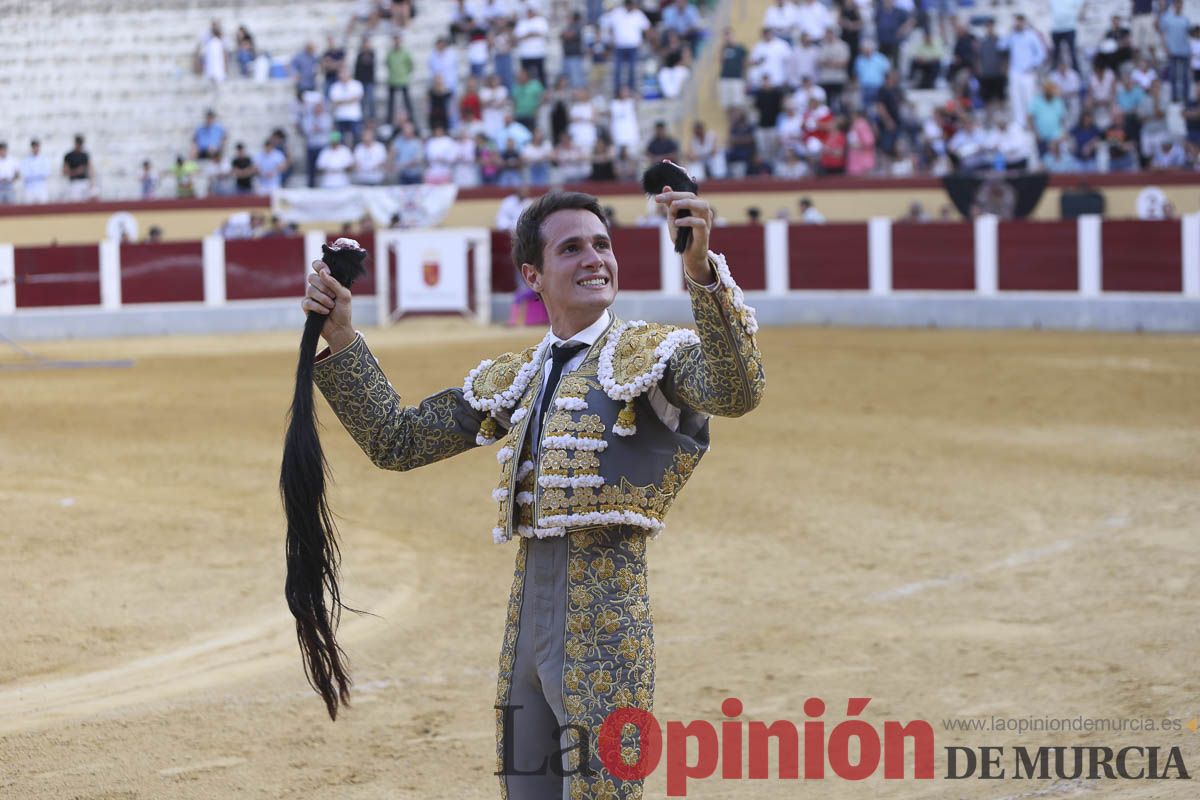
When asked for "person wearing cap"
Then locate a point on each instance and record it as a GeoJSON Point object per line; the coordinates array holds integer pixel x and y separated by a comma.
{"type": "Point", "coordinates": [334, 163]}
{"type": "Point", "coordinates": [599, 426]}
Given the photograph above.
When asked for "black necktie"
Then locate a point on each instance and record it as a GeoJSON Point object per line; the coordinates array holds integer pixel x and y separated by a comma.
{"type": "Point", "coordinates": [560, 354]}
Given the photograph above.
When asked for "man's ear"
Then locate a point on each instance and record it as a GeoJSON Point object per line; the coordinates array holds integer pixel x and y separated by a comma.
{"type": "Point", "coordinates": [532, 276]}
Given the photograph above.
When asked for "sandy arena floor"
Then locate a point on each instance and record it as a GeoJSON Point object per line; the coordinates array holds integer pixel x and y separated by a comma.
{"type": "Point", "coordinates": [955, 524]}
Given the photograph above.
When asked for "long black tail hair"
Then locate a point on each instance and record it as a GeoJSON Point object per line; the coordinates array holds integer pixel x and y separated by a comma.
{"type": "Point", "coordinates": [312, 548]}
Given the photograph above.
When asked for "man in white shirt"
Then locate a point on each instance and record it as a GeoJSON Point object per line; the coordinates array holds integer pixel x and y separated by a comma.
{"type": "Point", "coordinates": [9, 172]}
{"type": "Point", "coordinates": [769, 58]}
{"type": "Point", "coordinates": [35, 175]}
{"type": "Point", "coordinates": [781, 18]}
{"type": "Point", "coordinates": [334, 163]}
{"type": "Point", "coordinates": [370, 158]}
{"type": "Point", "coordinates": [627, 27]}
{"type": "Point", "coordinates": [271, 164]}
{"type": "Point", "coordinates": [511, 208]}
{"type": "Point", "coordinates": [213, 56]}
{"type": "Point", "coordinates": [1026, 53]}
{"type": "Point", "coordinates": [813, 18]}
{"type": "Point", "coordinates": [346, 96]}
{"type": "Point", "coordinates": [443, 61]}
{"type": "Point", "coordinates": [531, 33]}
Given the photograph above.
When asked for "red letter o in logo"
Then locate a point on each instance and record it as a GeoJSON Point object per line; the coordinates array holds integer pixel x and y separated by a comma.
{"type": "Point", "coordinates": [649, 743]}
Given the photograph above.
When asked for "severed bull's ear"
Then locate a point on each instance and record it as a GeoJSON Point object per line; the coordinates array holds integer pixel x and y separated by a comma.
{"type": "Point", "coordinates": [312, 548]}
{"type": "Point", "coordinates": [668, 173]}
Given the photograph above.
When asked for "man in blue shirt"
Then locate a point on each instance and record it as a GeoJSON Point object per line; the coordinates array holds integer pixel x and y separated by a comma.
{"type": "Point", "coordinates": [892, 26]}
{"type": "Point", "coordinates": [209, 138]}
{"type": "Point", "coordinates": [870, 69]}
{"type": "Point", "coordinates": [304, 68]}
{"type": "Point", "coordinates": [1175, 26]}
{"type": "Point", "coordinates": [683, 18]}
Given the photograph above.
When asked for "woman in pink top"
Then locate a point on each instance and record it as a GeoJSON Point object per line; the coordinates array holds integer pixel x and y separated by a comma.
{"type": "Point", "coordinates": [860, 158]}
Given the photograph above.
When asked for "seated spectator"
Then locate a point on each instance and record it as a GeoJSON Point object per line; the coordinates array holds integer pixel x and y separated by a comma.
{"type": "Point", "coordinates": [791, 167]}
{"type": "Point", "coordinates": [628, 169]}
{"type": "Point", "coordinates": [770, 58]}
{"type": "Point", "coordinates": [1143, 73]}
{"type": "Point", "coordinates": [759, 167]}
{"type": "Point", "coordinates": [469, 104]}
{"type": "Point", "coordinates": [571, 162]}
{"type": "Point", "coordinates": [603, 157]}
{"type": "Point", "coordinates": [833, 156]}
{"type": "Point", "coordinates": [184, 173]}
{"type": "Point", "coordinates": [1058, 156]}
{"type": "Point", "coordinates": [789, 127]}
{"type": "Point", "coordinates": [466, 163]}
{"type": "Point", "coordinates": [439, 104]}
{"type": "Point", "coordinates": [808, 91]}
{"type": "Point", "coordinates": [806, 55]}
{"type": "Point", "coordinates": [246, 53]}
{"type": "Point", "coordinates": [662, 145]}
{"type": "Point", "coordinates": [809, 214]}
{"type": "Point", "coordinates": [671, 80]}
{"type": "Point", "coordinates": [1116, 48]}
{"type": "Point", "coordinates": [623, 121]}
{"type": "Point", "coordinates": [742, 144]}
{"type": "Point", "coordinates": [926, 61]}
{"type": "Point", "coordinates": [209, 139]}
{"type": "Point", "coordinates": [1121, 152]}
{"type": "Point", "coordinates": [780, 19]}
{"type": "Point", "coordinates": [860, 143]}
{"type": "Point", "coordinates": [966, 51]}
{"type": "Point", "coordinates": [1013, 144]}
{"type": "Point", "coordinates": [812, 20]}
{"type": "Point", "coordinates": [1169, 155]}
{"type": "Point", "coordinates": [370, 159]}
{"type": "Point", "coordinates": [489, 160]}
{"type": "Point", "coordinates": [35, 176]}
{"type": "Point", "coordinates": [510, 164]}
{"type": "Point", "coordinates": [683, 19]}
{"type": "Point", "coordinates": [1048, 115]}
{"type": "Point", "coordinates": [969, 148]}
{"type": "Point", "coordinates": [527, 95]}
{"type": "Point", "coordinates": [514, 130]}
{"type": "Point", "coordinates": [335, 163]}
{"type": "Point", "coordinates": [1086, 138]}
{"type": "Point", "coordinates": [332, 61]}
{"type": "Point", "coordinates": [479, 51]}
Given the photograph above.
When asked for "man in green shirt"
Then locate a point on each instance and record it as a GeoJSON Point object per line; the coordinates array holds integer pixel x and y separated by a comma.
{"type": "Point", "coordinates": [399, 67]}
{"type": "Point", "coordinates": [527, 99]}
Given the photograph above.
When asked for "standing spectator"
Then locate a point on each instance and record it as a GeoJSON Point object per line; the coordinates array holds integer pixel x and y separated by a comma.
{"type": "Point", "coordinates": [1116, 48]}
{"type": "Point", "coordinates": [364, 73]}
{"type": "Point", "coordinates": [399, 69]}
{"type": "Point", "coordinates": [209, 139]}
{"type": "Point", "coordinates": [277, 140]}
{"type": "Point", "coordinates": [781, 19]}
{"type": "Point", "coordinates": [315, 124]}
{"type": "Point", "coordinates": [1143, 26]}
{"type": "Point", "coordinates": [346, 98]}
{"type": "Point", "coordinates": [582, 126]}
{"type": "Point", "coordinates": [213, 57]}
{"type": "Point", "coordinates": [439, 104]}
{"type": "Point", "coordinates": [1069, 85]}
{"type": "Point", "coordinates": [510, 164]}
{"type": "Point", "coordinates": [850, 23]}
{"type": "Point", "coordinates": [502, 44]}
{"type": "Point", "coordinates": [1175, 28]}
{"type": "Point", "coordinates": [536, 158]}
{"type": "Point", "coordinates": [742, 147]}
{"type": "Point", "coordinates": [527, 98]}
{"type": "Point", "coordinates": [803, 64]}
{"type": "Point", "coordinates": [304, 68]}
{"type": "Point", "coordinates": [662, 145]}
{"type": "Point", "coordinates": [1102, 85]}
{"type": "Point", "coordinates": [532, 33]}
{"type": "Point", "coordinates": [603, 161]}
{"type": "Point", "coordinates": [1194, 44]}
{"type": "Point", "coordinates": [966, 52]}
{"type": "Point", "coordinates": [926, 62]}
{"type": "Point", "coordinates": [470, 107]}
{"type": "Point", "coordinates": [832, 61]}
{"type": "Point", "coordinates": [479, 53]}
{"type": "Point", "coordinates": [812, 19]}
{"type": "Point", "coordinates": [870, 69]}
{"type": "Point", "coordinates": [623, 118]}
{"type": "Point", "coordinates": [184, 174]}
{"type": "Point", "coordinates": [35, 175]}
{"type": "Point", "coordinates": [572, 51]}
{"type": "Point", "coordinates": [702, 151]}
{"type": "Point", "coordinates": [892, 26]}
{"type": "Point", "coordinates": [860, 142]}
{"type": "Point", "coordinates": [77, 169]}
{"type": "Point", "coordinates": [147, 181]}
{"type": "Point", "coordinates": [768, 102]}
{"type": "Point", "coordinates": [683, 19]}
{"type": "Point", "coordinates": [889, 105]}
{"type": "Point", "coordinates": [809, 215]}
{"type": "Point", "coordinates": [1064, 19]}
{"type": "Point", "coordinates": [408, 156]}
{"type": "Point", "coordinates": [769, 58]}
{"type": "Point", "coordinates": [671, 80]}
{"type": "Point", "coordinates": [493, 99]}
{"type": "Point", "coordinates": [9, 172]}
{"type": "Point", "coordinates": [440, 154]}
{"type": "Point", "coordinates": [443, 63]}
{"type": "Point", "coordinates": [334, 163]}
{"type": "Point", "coordinates": [834, 149]}
{"type": "Point", "coordinates": [370, 159]}
{"type": "Point", "coordinates": [1026, 52]}
{"type": "Point", "coordinates": [332, 61]}
{"type": "Point", "coordinates": [1058, 158]}
{"type": "Point", "coordinates": [270, 164]}
{"type": "Point", "coordinates": [628, 26]}
{"type": "Point", "coordinates": [241, 166]}
{"type": "Point", "coordinates": [466, 160]}
{"type": "Point", "coordinates": [1144, 73]}
{"type": "Point", "coordinates": [462, 20]}
{"type": "Point", "coordinates": [992, 68]}
{"type": "Point", "coordinates": [488, 156]}
{"type": "Point", "coordinates": [514, 130]}
{"type": "Point", "coordinates": [732, 86]}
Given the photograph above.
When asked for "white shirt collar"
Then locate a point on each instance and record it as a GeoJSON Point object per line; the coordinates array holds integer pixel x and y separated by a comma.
{"type": "Point", "coordinates": [591, 333]}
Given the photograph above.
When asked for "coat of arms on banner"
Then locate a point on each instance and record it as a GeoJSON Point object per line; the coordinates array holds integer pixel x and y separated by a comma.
{"type": "Point", "coordinates": [430, 268]}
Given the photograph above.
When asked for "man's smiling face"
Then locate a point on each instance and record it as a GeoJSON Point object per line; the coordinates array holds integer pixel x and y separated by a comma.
{"type": "Point", "coordinates": [578, 277]}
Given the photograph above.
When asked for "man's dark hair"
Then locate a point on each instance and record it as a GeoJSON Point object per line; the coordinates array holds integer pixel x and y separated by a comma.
{"type": "Point", "coordinates": [527, 242]}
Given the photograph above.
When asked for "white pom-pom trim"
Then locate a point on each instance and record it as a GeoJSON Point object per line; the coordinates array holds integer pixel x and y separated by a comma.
{"type": "Point", "coordinates": [604, 518]}
{"type": "Point", "coordinates": [523, 470]}
{"type": "Point", "coordinates": [483, 441]}
{"type": "Point", "coordinates": [573, 443]}
{"type": "Point", "coordinates": [499, 494]}
{"type": "Point", "coordinates": [498, 536]}
{"type": "Point", "coordinates": [540, 533]}
{"type": "Point", "coordinates": [621, 430]}
{"type": "Point", "coordinates": [746, 313]}
{"type": "Point", "coordinates": [509, 397]}
{"type": "Point", "coordinates": [504, 454]}
{"type": "Point", "coordinates": [573, 482]}
{"type": "Point", "coordinates": [570, 403]}
{"type": "Point", "coordinates": [518, 415]}
{"type": "Point", "coordinates": [641, 383]}
{"type": "Point", "coordinates": [524, 498]}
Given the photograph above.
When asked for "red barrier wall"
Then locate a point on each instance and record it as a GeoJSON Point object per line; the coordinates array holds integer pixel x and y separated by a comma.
{"type": "Point", "coordinates": [57, 276]}
{"type": "Point", "coordinates": [165, 272]}
{"type": "Point", "coordinates": [933, 255]}
{"type": "Point", "coordinates": [1141, 256]}
{"type": "Point", "coordinates": [1038, 256]}
{"type": "Point", "coordinates": [260, 268]}
{"type": "Point", "coordinates": [828, 257]}
{"type": "Point", "coordinates": [504, 275]}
